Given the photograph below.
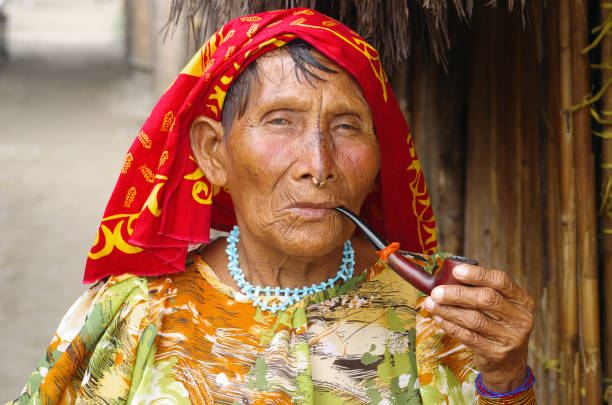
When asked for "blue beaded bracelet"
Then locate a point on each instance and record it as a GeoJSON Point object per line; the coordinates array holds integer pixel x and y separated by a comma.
{"type": "Point", "coordinates": [482, 390]}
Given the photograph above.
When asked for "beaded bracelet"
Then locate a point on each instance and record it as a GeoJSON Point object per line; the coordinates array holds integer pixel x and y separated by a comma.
{"type": "Point", "coordinates": [524, 398]}
{"type": "Point", "coordinates": [521, 395]}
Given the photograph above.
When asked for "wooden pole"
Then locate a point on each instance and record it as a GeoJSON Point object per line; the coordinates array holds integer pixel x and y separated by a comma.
{"type": "Point", "coordinates": [551, 312]}
{"type": "Point", "coordinates": [532, 102]}
{"type": "Point", "coordinates": [606, 212]}
{"type": "Point", "coordinates": [586, 226]}
{"type": "Point", "coordinates": [570, 364]}
{"type": "Point", "coordinates": [550, 315]}
{"type": "Point", "coordinates": [480, 131]}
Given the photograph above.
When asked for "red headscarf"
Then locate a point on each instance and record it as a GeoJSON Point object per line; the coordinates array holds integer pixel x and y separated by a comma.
{"type": "Point", "coordinates": [162, 202]}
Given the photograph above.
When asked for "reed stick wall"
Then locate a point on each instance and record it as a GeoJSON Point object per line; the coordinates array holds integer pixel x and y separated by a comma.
{"type": "Point", "coordinates": [522, 170]}
{"type": "Point", "coordinates": [605, 206]}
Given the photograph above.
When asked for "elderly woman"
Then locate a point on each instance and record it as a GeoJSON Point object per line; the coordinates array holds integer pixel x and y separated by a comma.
{"type": "Point", "coordinates": [278, 119]}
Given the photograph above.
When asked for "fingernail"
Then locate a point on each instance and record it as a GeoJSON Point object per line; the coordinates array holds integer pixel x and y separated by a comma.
{"type": "Point", "coordinates": [461, 271]}
{"type": "Point", "coordinates": [428, 304]}
{"type": "Point", "coordinates": [437, 319]}
{"type": "Point", "coordinates": [437, 293]}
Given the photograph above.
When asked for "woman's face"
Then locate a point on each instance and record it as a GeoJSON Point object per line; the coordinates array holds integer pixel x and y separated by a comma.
{"type": "Point", "coordinates": [292, 131]}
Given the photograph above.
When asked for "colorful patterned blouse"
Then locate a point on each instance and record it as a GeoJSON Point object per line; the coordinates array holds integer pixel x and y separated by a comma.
{"type": "Point", "coordinates": [187, 338]}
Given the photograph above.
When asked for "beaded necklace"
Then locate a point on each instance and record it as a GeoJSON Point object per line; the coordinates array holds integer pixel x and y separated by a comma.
{"type": "Point", "coordinates": [287, 295]}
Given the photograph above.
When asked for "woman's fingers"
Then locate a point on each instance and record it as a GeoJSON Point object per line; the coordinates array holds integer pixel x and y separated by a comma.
{"type": "Point", "coordinates": [468, 319]}
{"type": "Point", "coordinates": [498, 288]}
{"type": "Point", "coordinates": [492, 305]}
{"type": "Point", "coordinates": [467, 336]}
{"type": "Point", "coordinates": [483, 299]}
{"type": "Point", "coordinates": [498, 280]}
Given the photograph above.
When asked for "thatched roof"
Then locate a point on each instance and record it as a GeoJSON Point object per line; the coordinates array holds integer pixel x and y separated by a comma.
{"type": "Point", "coordinates": [392, 26]}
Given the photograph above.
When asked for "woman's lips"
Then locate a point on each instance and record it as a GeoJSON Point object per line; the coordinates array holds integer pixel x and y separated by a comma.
{"type": "Point", "coordinates": [313, 210]}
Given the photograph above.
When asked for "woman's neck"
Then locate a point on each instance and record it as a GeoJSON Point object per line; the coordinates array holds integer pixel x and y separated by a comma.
{"type": "Point", "coordinates": [266, 267]}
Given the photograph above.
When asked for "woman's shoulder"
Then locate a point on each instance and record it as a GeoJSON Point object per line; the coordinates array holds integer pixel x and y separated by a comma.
{"type": "Point", "coordinates": [104, 341]}
{"type": "Point", "coordinates": [101, 330]}
{"type": "Point", "coordinates": [102, 302]}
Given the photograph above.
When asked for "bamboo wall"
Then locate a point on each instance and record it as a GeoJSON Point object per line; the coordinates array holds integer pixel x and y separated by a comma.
{"type": "Point", "coordinates": [605, 210]}
{"type": "Point", "coordinates": [511, 172]}
{"type": "Point", "coordinates": [505, 200]}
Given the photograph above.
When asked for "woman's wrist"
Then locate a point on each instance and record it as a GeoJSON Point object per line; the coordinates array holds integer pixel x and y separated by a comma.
{"type": "Point", "coordinates": [523, 390]}
{"type": "Point", "coordinates": [503, 382]}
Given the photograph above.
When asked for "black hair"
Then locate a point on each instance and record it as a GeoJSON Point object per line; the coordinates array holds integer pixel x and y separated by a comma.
{"type": "Point", "coordinates": [238, 93]}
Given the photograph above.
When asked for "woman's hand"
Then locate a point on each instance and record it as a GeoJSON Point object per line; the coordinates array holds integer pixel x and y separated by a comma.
{"type": "Point", "coordinates": [493, 317]}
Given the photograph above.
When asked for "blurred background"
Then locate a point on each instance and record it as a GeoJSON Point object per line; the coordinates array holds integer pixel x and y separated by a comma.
{"type": "Point", "coordinates": [76, 83]}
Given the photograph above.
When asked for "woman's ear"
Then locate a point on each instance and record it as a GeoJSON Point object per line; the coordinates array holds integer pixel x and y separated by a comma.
{"type": "Point", "coordinates": [208, 148]}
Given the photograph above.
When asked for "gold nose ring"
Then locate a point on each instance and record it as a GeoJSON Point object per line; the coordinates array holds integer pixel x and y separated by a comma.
{"type": "Point", "coordinates": [318, 183]}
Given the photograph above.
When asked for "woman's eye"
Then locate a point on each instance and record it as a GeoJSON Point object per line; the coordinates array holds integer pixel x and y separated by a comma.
{"type": "Point", "coordinates": [279, 121]}
{"type": "Point", "coordinates": [346, 127]}
{"type": "Point", "coordinates": [347, 124]}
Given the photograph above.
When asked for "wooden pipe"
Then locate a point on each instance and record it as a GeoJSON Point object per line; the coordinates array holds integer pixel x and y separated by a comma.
{"type": "Point", "coordinates": [409, 271]}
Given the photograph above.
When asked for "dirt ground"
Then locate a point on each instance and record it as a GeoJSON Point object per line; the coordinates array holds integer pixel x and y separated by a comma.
{"type": "Point", "coordinates": [68, 113]}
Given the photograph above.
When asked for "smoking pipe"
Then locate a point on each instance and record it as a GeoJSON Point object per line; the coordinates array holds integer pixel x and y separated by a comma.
{"type": "Point", "coordinates": [410, 272]}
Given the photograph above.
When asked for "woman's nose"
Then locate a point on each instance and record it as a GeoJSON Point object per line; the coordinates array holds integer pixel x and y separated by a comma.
{"type": "Point", "coordinates": [319, 162]}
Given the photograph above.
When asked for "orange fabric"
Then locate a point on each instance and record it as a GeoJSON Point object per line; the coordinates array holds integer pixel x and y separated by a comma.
{"type": "Point", "coordinates": [185, 342]}
{"type": "Point", "coordinates": [162, 202]}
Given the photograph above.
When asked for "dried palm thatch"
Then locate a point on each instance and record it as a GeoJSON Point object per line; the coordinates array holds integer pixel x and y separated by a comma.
{"type": "Point", "coordinates": [392, 26]}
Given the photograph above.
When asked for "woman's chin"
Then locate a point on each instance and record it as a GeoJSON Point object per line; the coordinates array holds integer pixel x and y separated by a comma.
{"type": "Point", "coordinates": [314, 238]}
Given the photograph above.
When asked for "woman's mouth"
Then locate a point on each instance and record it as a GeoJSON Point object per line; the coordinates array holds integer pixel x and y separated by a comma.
{"type": "Point", "coordinates": [314, 211]}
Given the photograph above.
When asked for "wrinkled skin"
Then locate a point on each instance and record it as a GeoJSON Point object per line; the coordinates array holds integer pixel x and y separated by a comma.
{"type": "Point", "coordinates": [293, 131]}
{"type": "Point", "coordinates": [493, 317]}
